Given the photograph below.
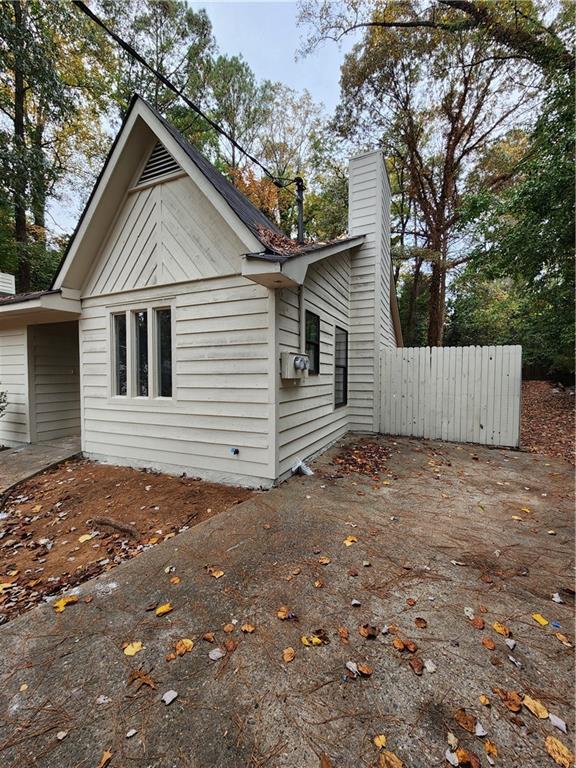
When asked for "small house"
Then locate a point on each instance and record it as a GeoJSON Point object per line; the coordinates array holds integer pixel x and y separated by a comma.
{"type": "Point", "coordinates": [184, 332]}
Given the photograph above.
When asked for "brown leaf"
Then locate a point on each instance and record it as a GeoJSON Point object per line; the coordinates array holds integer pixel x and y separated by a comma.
{"type": "Point", "coordinates": [411, 646]}
{"type": "Point", "coordinates": [478, 623]}
{"type": "Point", "coordinates": [344, 634]}
{"type": "Point", "coordinates": [490, 748]}
{"type": "Point", "coordinates": [365, 670]}
{"type": "Point", "coordinates": [417, 665]}
{"type": "Point", "coordinates": [230, 645]}
{"type": "Point", "coordinates": [288, 654]}
{"type": "Point", "coordinates": [420, 622]}
{"type": "Point", "coordinates": [367, 631]}
{"type": "Point", "coordinates": [228, 628]}
{"type": "Point", "coordinates": [387, 759]}
{"type": "Point", "coordinates": [510, 699]}
{"type": "Point", "coordinates": [559, 752]}
{"type": "Point", "coordinates": [248, 628]}
{"type": "Point", "coordinates": [466, 758]}
{"type": "Point", "coordinates": [208, 636]}
{"type": "Point", "coordinates": [324, 560]}
{"type": "Point", "coordinates": [398, 644]}
{"type": "Point", "coordinates": [411, 601]}
{"type": "Point", "coordinates": [487, 642]}
{"type": "Point", "coordinates": [465, 720]}
{"type": "Point", "coordinates": [325, 761]}
{"type": "Point", "coordinates": [141, 678]}
{"type": "Point", "coordinates": [105, 759]}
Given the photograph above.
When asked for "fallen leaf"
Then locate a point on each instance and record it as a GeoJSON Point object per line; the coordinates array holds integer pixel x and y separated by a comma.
{"type": "Point", "coordinates": [420, 622]}
{"type": "Point", "coordinates": [23, 687]}
{"type": "Point", "coordinates": [452, 740]}
{"type": "Point", "coordinates": [105, 759]}
{"type": "Point", "coordinates": [175, 580]}
{"type": "Point", "coordinates": [230, 645]}
{"type": "Point", "coordinates": [349, 540]}
{"type": "Point", "coordinates": [411, 602]}
{"type": "Point", "coordinates": [510, 699]}
{"type": "Point", "coordinates": [557, 722]}
{"type": "Point", "coordinates": [411, 646]}
{"type": "Point", "coordinates": [559, 752]}
{"type": "Point", "coordinates": [169, 697]}
{"type": "Point", "coordinates": [502, 629]}
{"type": "Point", "coordinates": [60, 605]}
{"type": "Point", "coordinates": [536, 707]}
{"type": "Point", "coordinates": [325, 761]}
{"type": "Point", "coordinates": [85, 537]}
{"type": "Point", "coordinates": [365, 670]}
{"type": "Point", "coordinates": [228, 628]}
{"type": "Point", "coordinates": [465, 720]}
{"type": "Point", "coordinates": [388, 759]}
{"type": "Point", "coordinates": [398, 644]}
{"type": "Point", "coordinates": [141, 678]}
{"type": "Point", "coordinates": [563, 639]}
{"type": "Point", "coordinates": [379, 741]}
{"type": "Point", "coordinates": [318, 583]}
{"type": "Point", "coordinates": [208, 636]}
{"type": "Point", "coordinates": [417, 665]}
{"type": "Point", "coordinates": [484, 700]}
{"type": "Point", "coordinates": [216, 654]}
{"type": "Point", "coordinates": [133, 648]}
{"type": "Point", "coordinates": [163, 609]}
{"type": "Point", "coordinates": [477, 622]}
{"type": "Point", "coordinates": [288, 654]}
{"type": "Point", "coordinates": [516, 517]}
{"type": "Point", "coordinates": [540, 619]}
{"type": "Point", "coordinates": [466, 758]}
{"type": "Point", "coordinates": [487, 642]}
{"type": "Point", "coordinates": [367, 631]}
{"type": "Point", "coordinates": [183, 646]}
{"type": "Point", "coordinates": [248, 628]}
{"type": "Point", "coordinates": [344, 634]}
{"type": "Point", "coordinates": [215, 572]}
{"type": "Point", "coordinates": [430, 666]}
{"type": "Point", "coordinates": [490, 748]}
{"type": "Point", "coordinates": [324, 560]}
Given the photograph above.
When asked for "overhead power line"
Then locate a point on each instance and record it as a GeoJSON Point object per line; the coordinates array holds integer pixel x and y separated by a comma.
{"type": "Point", "coordinates": [166, 82]}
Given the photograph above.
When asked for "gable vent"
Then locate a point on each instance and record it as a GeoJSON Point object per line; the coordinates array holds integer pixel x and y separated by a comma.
{"type": "Point", "coordinates": [160, 163]}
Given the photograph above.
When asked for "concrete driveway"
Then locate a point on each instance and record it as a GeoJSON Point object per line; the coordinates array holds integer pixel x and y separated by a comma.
{"type": "Point", "coordinates": [456, 528]}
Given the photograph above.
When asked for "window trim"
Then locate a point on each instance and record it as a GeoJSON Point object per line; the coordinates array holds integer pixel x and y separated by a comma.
{"type": "Point", "coordinates": [307, 312]}
{"type": "Point", "coordinates": [129, 310]}
{"type": "Point", "coordinates": [344, 367]}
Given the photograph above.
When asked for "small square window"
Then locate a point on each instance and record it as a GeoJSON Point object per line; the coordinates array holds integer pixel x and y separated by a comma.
{"type": "Point", "coordinates": [313, 342]}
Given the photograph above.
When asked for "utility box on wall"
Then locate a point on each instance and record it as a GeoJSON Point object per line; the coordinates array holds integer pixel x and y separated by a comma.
{"type": "Point", "coordinates": [294, 365]}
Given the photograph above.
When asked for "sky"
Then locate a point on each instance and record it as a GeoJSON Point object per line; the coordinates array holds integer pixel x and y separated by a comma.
{"type": "Point", "coordinates": [268, 37]}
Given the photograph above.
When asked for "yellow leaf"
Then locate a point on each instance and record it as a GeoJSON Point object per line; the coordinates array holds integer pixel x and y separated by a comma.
{"type": "Point", "coordinates": [502, 629]}
{"type": "Point", "coordinates": [304, 640]}
{"type": "Point", "coordinates": [105, 759]}
{"type": "Point", "coordinates": [349, 540]}
{"type": "Point", "coordinates": [228, 628]}
{"type": "Point", "coordinates": [175, 580]}
{"type": "Point", "coordinates": [36, 508]}
{"type": "Point", "coordinates": [388, 759]}
{"type": "Point", "coordinates": [85, 537]}
{"type": "Point", "coordinates": [490, 748]}
{"type": "Point", "coordinates": [516, 517]}
{"type": "Point", "coordinates": [559, 752]}
{"type": "Point", "coordinates": [484, 700]}
{"type": "Point", "coordinates": [288, 654]}
{"type": "Point", "coordinates": [60, 605]}
{"type": "Point", "coordinates": [183, 646]}
{"type": "Point", "coordinates": [248, 628]}
{"type": "Point", "coordinates": [536, 707]}
{"type": "Point", "coordinates": [282, 612]}
{"type": "Point", "coordinates": [540, 619]}
{"type": "Point", "coordinates": [5, 585]}
{"type": "Point", "coordinates": [379, 741]}
{"type": "Point", "coordinates": [133, 648]}
{"type": "Point", "coordinates": [23, 687]}
{"type": "Point", "coordinates": [216, 573]}
{"type": "Point", "coordinates": [526, 509]}
{"type": "Point", "coordinates": [315, 640]}
{"type": "Point", "coordinates": [324, 560]}
{"type": "Point", "coordinates": [163, 609]}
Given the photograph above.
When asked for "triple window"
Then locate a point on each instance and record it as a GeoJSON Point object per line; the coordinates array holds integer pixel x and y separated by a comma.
{"type": "Point", "coordinates": [142, 353]}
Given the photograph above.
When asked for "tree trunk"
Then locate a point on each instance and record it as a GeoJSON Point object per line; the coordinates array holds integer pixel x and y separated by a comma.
{"type": "Point", "coordinates": [38, 186]}
{"type": "Point", "coordinates": [412, 299]}
{"type": "Point", "coordinates": [436, 303]}
{"type": "Point", "coordinates": [20, 181]}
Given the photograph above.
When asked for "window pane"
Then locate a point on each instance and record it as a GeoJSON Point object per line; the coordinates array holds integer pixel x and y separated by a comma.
{"type": "Point", "coordinates": [312, 341]}
{"type": "Point", "coordinates": [141, 322]}
{"type": "Point", "coordinates": [340, 386]}
{"type": "Point", "coordinates": [340, 367]}
{"type": "Point", "coordinates": [164, 331]}
{"type": "Point", "coordinates": [312, 327]}
{"type": "Point", "coordinates": [120, 354]}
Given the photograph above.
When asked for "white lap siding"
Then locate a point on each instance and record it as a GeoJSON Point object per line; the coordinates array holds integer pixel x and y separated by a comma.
{"type": "Point", "coordinates": [223, 360]}
{"type": "Point", "coordinates": [307, 419]}
{"type": "Point", "coordinates": [14, 428]}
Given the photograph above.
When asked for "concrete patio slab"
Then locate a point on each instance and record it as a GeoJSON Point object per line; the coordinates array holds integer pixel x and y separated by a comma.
{"type": "Point", "coordinates": [450, 528]}
{"type": "Point", "coordinates": [18, 464]}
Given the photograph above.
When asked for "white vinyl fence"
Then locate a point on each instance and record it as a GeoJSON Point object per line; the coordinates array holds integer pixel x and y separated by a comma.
{"type": "Point", "coordinates": [463, 394]}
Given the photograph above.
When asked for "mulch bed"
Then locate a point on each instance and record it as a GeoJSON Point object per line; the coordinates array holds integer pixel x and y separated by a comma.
{"type": "Point", "coordinates": [80, 519]}
{"type": "Point", "coordinates": [547, 423]}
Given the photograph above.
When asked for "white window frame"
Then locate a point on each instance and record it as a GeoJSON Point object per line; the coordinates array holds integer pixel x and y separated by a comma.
{"type": "Point", "coordinates": [131, 397]}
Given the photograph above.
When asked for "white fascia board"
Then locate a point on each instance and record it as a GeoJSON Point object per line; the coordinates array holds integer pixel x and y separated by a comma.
{"type": "Point", "coordinates": [42, 305]}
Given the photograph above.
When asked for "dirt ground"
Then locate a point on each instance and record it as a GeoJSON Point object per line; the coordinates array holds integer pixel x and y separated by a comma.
{"type": "Point", "coordinates": [547, 424]}
{"type": "Point", "coordinates": [81, 519]}
{"type": "Point", "coordinates": [395, 575]}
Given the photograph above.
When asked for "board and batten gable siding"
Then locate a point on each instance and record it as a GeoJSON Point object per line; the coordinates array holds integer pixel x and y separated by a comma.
{"type": "Point", "coordinates": [14, 427]}
{"type": "Point", "coordinates": [370, 317]}
{"type": "Point", "coordinates": [308, 422]}
{"type": "Point", "coordinates": [54, 381]}
{"type": "Point", "coordinates": [222, 366]}
{"type": "Point", "coordinates": [165, 233]}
